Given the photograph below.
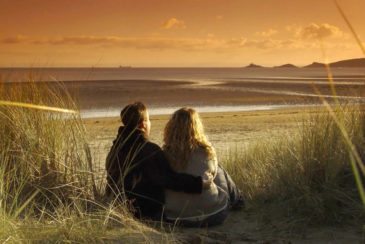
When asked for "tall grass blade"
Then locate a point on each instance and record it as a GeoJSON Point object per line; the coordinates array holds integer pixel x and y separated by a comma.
{"type": "Point", "coordinates": [350, 26]}
{"type": "Point", "coordinates": [357, 176]}
{"type": "Point", "coordinates": [39, 107]}
{"type": "Point", "coordinates": [26, 203]}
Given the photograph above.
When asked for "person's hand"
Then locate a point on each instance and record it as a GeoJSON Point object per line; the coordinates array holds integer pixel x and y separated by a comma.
{"type": "Point", "coordinates": [207, 180]}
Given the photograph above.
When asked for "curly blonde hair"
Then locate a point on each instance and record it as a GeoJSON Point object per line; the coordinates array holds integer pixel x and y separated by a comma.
{"type": "Point", "coordinates": [183, 134]}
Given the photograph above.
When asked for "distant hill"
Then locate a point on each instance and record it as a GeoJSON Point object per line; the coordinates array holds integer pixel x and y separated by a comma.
{"type": "Point", "coordinates": [357, 62]}
{"type": "Point", "coordinates": [349, 63]}
{"type": "Point", "coordinates": [314, 65]}
{"type": "Point", "coordinates": [252, 65]}
{"type": "Point", "coordinates": [286, 66]}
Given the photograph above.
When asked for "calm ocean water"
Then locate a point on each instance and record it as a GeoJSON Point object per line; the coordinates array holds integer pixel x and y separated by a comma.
{"type": "Point", "coordinates": [184, 74]}
{"type": "Point", "coordinates": [197, 76]}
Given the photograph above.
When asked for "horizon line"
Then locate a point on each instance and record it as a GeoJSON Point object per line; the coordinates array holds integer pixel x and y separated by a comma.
{"type": "Point", "coordinates": [170, 67]}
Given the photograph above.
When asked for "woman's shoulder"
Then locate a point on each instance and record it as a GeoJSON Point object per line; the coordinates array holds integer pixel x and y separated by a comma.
{"type": "Point", "coordinates": [200, 150]}
{"type": "Point", "coordinates": [203, 153]}
{"type": "Point", "coordinates": [205, 149]}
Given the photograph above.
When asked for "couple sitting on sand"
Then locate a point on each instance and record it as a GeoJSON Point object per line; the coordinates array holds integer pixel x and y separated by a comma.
{"type": "Point", "coordinates": [181, 183]}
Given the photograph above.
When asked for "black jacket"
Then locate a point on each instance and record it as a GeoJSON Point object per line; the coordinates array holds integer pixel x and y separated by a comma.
{"type": "Point", "coordinates": [138, 169]}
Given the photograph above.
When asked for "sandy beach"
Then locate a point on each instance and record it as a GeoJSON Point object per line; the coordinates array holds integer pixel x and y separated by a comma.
{"type": "Point", "coordinates": [226, 130]}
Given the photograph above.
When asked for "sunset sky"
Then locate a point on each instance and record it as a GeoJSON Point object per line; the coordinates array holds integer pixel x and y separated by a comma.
{"type": "Point", "coordinates": [176, 33]}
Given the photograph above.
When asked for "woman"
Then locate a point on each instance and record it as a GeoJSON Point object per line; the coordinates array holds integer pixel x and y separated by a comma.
{"type": "Point", "coordinates": [189, 151]}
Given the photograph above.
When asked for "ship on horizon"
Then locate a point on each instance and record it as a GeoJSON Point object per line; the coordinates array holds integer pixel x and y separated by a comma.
{"type": "Point", "coordinates": [125, 67]}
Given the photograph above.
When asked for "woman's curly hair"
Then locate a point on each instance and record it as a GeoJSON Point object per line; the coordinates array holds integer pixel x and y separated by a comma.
{"type": "Point", "coordinates": [183, 134]}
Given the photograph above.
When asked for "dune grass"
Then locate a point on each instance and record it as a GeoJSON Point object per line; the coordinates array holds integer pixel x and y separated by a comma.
{"type": "Point", "coordinates": [43, 157]}
{"type": "Point", "coordinates": [305, 176]}
{"type": "Point", "coordinates": [47, 185]}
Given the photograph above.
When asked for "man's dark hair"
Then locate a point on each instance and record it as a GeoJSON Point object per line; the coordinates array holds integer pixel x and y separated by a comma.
{"type": "Point", "coordinates": [133, 114]}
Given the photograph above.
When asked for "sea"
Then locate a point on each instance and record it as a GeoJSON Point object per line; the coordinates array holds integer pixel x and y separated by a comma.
{"type": "Point", "coordinates": [262, 81]}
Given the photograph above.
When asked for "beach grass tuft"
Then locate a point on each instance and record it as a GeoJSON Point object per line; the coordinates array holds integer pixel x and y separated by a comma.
{"type": "Point", "coordinates": [305, 175]}
{"type": "Point", "coordinates": [48, 191]}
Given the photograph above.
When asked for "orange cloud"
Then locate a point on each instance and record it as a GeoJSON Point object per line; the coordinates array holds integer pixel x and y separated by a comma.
{"type": "Point", "coordinates": [318, 31]}
{"type": "Point", "coordinates": [14, 40]}
{"type": "Point", "coordinates": [267, 33]}
{"type": "Point", "coordinates": [153, 43]}
{"type": "Point", "coordinates": [121, 42]}
{"type": "Point", "coordinates": [265, 44]}
{"type": "Point", "coordinates": [186, 44]}
{"type": "Point", "coordinates": [174, 23]}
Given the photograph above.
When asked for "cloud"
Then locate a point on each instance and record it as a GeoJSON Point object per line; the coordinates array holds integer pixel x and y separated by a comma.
{"type": "Point", "coordinates": [265, 44]}
{"type": "Point", "coordinates": [267, 33]}
{"type": "Point", "coordinates": [318, 31]}
{"type": "Point", "coordinates": [236, 42]}
{"type": "Point", "coordinates": [14, 40]}
{"type": "Point", "coordinates": [186, 44]}
{"type": "Point", "coordinates": [173, 23]}
{"type": "Point", "coordinates": [120, 42]}
{"type": "Point", "coordinates": [292, 28]}
{"type": "Point", "coordinates": [210, 42]}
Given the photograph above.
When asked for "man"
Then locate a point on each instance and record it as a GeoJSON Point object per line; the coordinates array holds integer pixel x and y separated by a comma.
{"type": "Point", "coordinates": [138, 169]}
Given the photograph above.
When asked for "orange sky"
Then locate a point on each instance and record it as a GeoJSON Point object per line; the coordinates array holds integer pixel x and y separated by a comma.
{"type": "Point", "coordinates": [176, 32]}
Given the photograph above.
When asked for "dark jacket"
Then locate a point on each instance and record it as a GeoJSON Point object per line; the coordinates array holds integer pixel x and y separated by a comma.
{"type": "Point", "coordinates": [138, 169]}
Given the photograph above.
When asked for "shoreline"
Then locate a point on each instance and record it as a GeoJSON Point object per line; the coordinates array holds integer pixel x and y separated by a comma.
{"type": "Point", "coordinates": [205, 109]}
